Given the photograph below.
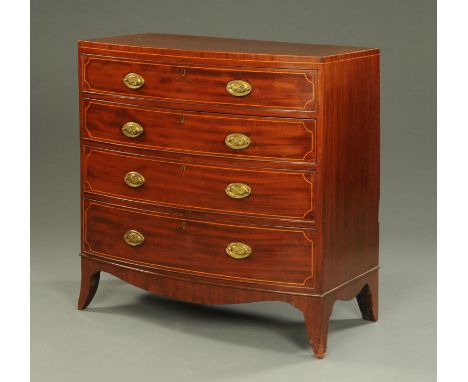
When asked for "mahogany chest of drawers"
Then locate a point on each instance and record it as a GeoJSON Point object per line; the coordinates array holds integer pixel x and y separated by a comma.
{"type": "Point", "coordinates": [222, 171]}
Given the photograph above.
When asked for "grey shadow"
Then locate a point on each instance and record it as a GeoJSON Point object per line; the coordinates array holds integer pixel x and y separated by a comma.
{"type": "Point", "coordinates": [225, 323]}
{"type": "Point", "coordinates": [230, 323]}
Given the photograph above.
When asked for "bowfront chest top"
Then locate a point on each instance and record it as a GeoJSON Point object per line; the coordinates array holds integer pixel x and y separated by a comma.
{"type": "Point", "coordinates": [227, 171]}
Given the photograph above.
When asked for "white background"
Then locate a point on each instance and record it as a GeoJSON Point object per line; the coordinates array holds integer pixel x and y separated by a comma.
{"type": "Point", "coordinates": [452, 190]}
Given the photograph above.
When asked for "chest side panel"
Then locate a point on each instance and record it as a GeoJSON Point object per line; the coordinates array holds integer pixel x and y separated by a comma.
{"type": "Point", "coordinates": [350, 169]}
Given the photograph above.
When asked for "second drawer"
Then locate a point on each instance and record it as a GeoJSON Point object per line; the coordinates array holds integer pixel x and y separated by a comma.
{"type": "Point", "coordinates": [202, 133]}
{"type": "Point", "coordinates": [260, 192]}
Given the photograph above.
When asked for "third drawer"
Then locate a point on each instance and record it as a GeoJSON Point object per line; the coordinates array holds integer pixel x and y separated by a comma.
{"type": "Point", "coordinates": [285, 194]}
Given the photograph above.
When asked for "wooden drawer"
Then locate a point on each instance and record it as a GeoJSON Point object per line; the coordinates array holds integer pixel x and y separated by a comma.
{"type": "Point", "coordinates": [203, 133]}
{"type": "Point", "coordinates": [271, 89]}
{"type": "Point", "coordinates": [277, 255]}
{"type": "Point", "coordinates": [272, 193]}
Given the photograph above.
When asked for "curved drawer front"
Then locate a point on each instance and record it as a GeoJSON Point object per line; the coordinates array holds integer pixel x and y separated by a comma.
{"type": "Point", "coordinates": [203, 133]}
{"type": "Point", "coordinates": [271, 193]}
{"type": "Point", "coordinates": [276, 255]}
{"type": "Point", "coordinates": [272, 89]}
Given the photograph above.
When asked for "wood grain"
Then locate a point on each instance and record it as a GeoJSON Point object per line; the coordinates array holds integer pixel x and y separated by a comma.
{"type": "Point", "coordinates": [200, 187]}
{"type": "Point", "coordinates": [275, 89]}
{"type": "Point", "coordinates": [199, 247]}
{"type": "Point", "coordinates": [227, 50]}
{"type": "Point", "coordinates": [350, 170]}
{"type": "Point", "coordinates": [201, 133]}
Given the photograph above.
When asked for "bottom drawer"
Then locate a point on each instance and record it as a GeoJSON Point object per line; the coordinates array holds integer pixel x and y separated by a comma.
{"type": "Point", "coordinates": [246, 253]}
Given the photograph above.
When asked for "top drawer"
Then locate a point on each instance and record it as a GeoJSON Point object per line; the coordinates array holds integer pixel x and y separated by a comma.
{"type": "Point", "coordinates": [268, 89]}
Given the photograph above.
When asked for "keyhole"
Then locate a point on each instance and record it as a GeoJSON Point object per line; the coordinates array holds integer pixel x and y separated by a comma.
{"type": "Point", "coordinates": [182, 72]}
{"type": "Point", "coordinates": [182, 119]}
{"type": "Point", "coordinates": [183, 225]}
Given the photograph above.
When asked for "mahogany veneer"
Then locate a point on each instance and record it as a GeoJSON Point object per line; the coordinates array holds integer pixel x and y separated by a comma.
{"type": "Point", "coordinates": [202, 187]}
{"type": "Point", "coordinates": [181, 244]}
{"type": "Point", "coordinates": [201, 133]}
{"type": "Point", "coordinates": [280, 89]}
{"type": "Point", "coordinates": [224, 171]}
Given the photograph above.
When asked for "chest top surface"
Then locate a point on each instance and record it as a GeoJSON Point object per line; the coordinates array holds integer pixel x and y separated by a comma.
{"type": "Point", "coordinates": [217, 47]}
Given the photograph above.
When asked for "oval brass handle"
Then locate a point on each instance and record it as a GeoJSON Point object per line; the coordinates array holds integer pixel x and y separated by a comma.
{"type": "Point", "coordinates": [237, 141]}
{"type": "Point", "coordinates": [238, 250]}
{"type": "Point", "coordinates": [133, 237]}
{"type": "Point", "coordinates": [134, 179]}
{"type": "Point", "coordinates": [238, 88]}
{"type": "Point", "coordinates": [132, 129]}
{"type": "Point", "coordinates": [133, 81]}
{"type": "Point", "coordinates": [238, 190]}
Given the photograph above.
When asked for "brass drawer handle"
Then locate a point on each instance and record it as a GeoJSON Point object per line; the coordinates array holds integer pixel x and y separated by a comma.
{"type": "Point", "coordinates": [238, 88]}
{"type": "Point", "coordinates": [238, 190]}
{"type": "Point", "coordinates": [134, 179]}
{"type": "Point", "coordinates": [238, 250]}
{"type": "Point", "coordinates": [133, 238]}
{"type": "Point", "coordinates": [237, 141]}
{"type": "Point", "coordinates": [132, 129]}
{"type": "Point", "coordinates": [133, 81]}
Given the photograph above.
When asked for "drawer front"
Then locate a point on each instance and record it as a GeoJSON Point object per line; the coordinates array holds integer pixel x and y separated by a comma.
{"type": "Point", "coordinates": [273, 89]}
{"type": "Point", "coordinates": [204, 133]}
{"type": "Point", "coordinates": [272, 193]}
{"type": "Point", "coordinates": [260, 254]}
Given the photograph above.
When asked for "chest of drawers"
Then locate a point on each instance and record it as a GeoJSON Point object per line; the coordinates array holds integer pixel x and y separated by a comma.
{"type": "Point", "coordinates": [223, 171]}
